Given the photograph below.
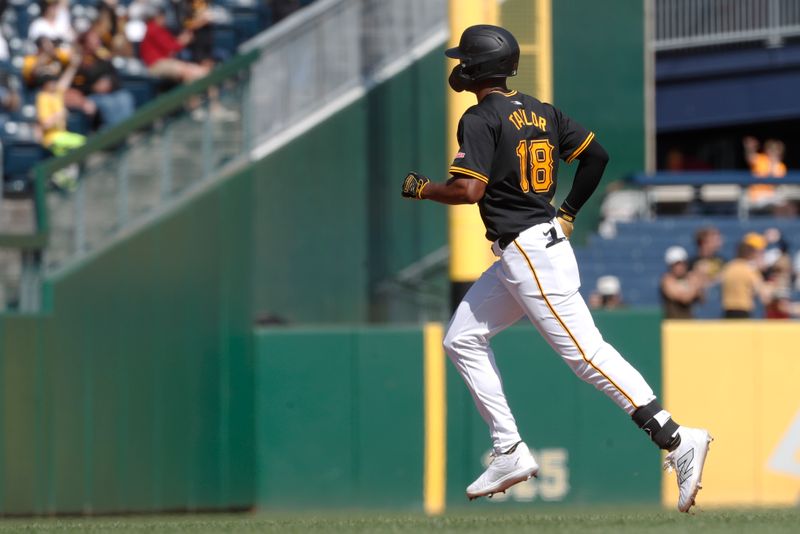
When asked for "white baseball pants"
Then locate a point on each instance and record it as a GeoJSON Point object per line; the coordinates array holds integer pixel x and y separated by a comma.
{"type": "Point", "coordinates": [540, 281]}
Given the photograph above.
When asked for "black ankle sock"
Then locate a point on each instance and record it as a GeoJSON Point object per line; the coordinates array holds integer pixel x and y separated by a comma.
{"type": "Point", "coordinates": [513, 448]}
{"type": "Point", "coordinates": [662, 429]}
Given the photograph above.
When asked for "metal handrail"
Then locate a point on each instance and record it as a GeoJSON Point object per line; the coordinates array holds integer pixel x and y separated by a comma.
{"type": "Point", "coordinates": [686, 24]}
{"type": "Point", "coordinates": [154, 110]}
{"type": "Point", "coordinates": [711, 178]}
{"type": "Point", "coordinates": [322, 55]}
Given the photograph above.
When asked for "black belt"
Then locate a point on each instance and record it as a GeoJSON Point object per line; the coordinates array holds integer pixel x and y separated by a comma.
{"type": "Point", "coordinates": [506, 240]}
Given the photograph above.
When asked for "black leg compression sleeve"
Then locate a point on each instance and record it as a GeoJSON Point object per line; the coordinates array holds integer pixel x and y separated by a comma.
{"type": "Point", "coordinates": [664, 433]}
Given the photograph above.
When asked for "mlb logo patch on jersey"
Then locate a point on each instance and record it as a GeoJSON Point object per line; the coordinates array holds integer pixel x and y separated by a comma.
{"type": "Point", "coordinates": [459, 155]}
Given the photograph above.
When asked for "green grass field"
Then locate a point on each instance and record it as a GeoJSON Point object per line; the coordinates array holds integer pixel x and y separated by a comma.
{"type": "Point", "coordinates": [550, 520]}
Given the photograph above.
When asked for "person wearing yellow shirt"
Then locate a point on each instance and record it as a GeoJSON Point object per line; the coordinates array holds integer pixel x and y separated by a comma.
{"type": "Point", "coordinates": [742, 281]}
{"type": "Point", "coordinates": [764, 164]}
{"type": "Point", "coordinates": [51, 113]}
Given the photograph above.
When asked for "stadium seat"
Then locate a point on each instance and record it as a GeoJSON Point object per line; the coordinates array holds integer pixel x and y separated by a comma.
{"type": "Point", "coordinates": [225, 38]}
{"type": "Point", "coordinates": [246, 23]}
{"type": "Point", "coordinates": [78, 122]}
{"type": "Point", "coordinates": [19, 157]}
{"type": "Point", "coordinates": [143, 87]}
{"type": "Point", "coordinates": [636, 254]}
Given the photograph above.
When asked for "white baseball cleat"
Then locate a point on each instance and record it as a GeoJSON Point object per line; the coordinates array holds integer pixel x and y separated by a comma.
{"type": "Point", "coordinates": [504, 471]}
{"type": "Point", "coordinates": [687, 462]}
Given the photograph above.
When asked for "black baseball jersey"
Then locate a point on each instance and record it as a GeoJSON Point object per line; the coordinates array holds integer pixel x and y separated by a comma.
{"type": "Point", "coordinates": [512, 142]}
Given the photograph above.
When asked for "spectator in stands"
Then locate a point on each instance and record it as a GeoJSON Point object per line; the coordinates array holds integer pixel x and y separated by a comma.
{"type": "Point", "coordinates": [54, 23]}
{"type": "Point", "coordinates": [9, 91]}
{"type": "Point", "coordinates": [98, 80]}
{"type": "Point", "coordinates": [780, 305]}
{"type": "Point", "coordinates": [111, 28]}
{"type": "Point", "coordinates": [708, 263]}
{"type": "Point", "coordinates": [777, 262]}
{"type": "Point", "coordinates": [778, 274]}
{"type": "Point", "coordinates": [608, 295]}
{"type": "Point", "coordinates": [51, 113]}
{"type": "Point", "coordinates": [766, 164]}
{"type": "Point", "coordinates": [680, 287]}
{"type": "Point", "coordinates": [677, 161]}
{"type": "Point", "coordinates": [50, 61]}
{"type": "Point", "coordinates": [195, 16]}
{"type": "Point", "coordinates": [796, 270]}
{"type": "Point", "coordinates": [4, 55]}
{"type": "Point", "coordinates": [741, 279]}
{"type": "Point", "coordinates": [159, 47]}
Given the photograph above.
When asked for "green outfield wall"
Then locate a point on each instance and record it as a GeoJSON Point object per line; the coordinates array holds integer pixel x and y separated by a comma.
{"type": "Point", "coordinates": [339, 417]}
{"type": "Point", "coordinates": [329, 206]}
{"type": "Point", "coordinates": [340, 420]}
{"type": "Point", "coordinates": [598, 79]}
{"type": "Point", "coordinates": [135, 391]}
{"type": "Point", "coordinates": [588, 449]}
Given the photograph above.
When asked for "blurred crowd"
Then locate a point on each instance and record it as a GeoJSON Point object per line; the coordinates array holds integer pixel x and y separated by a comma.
{"type": "Point", "coordinates": [71, 67]}
{"type": "Point", "coordinates": [758, 280]}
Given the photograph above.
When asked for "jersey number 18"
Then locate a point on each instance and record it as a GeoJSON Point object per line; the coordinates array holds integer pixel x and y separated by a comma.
{"type": "Point", "coordinates": [535, 165]}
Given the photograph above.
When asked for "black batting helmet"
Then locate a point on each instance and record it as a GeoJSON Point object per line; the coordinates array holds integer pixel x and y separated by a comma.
{"type": "Point", "coordinates": [484, 52]}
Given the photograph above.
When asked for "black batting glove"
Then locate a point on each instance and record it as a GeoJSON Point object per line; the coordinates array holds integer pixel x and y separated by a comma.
{"type": "Point", "coordinates": [414, 184]}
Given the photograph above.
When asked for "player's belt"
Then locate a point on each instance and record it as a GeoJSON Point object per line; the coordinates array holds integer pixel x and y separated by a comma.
{"type": "Point", "coordinates": [506, 240]}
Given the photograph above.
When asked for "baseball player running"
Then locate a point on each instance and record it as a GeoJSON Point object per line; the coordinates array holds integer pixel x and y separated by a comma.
{"type": "Point", "coordinates": [507, 163]}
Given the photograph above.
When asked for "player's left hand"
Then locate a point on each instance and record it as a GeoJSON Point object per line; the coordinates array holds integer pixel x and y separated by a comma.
{"type": "Point", "coordinates": [414, 184]}
{"type": "Point", "coordinates": [566, 226]}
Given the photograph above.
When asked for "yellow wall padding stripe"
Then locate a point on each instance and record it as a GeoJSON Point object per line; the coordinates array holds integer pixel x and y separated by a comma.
{"type": "Point", "coordinates": [581, 148]}
{"type": "Point", "coordinates": [435, 475]}
{"type": "Point", "coordinates": [472, 174]}
{"type": "Point", "coordinates": [544, 55]}
{"type": "Point", "coordinates": [564, 326]}
{"type": "Point", "coordinates": [470, 254]}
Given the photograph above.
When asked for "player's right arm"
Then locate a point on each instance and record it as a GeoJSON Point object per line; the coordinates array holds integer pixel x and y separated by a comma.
{"type": "Point", "coordinates": [469, 170]}
{"type": "Point", "coordinates": [457, 190]}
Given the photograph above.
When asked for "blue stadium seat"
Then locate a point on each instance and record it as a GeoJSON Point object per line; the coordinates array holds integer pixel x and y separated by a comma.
{"type": "Point", "coordinates": [19, 157]}
{"type": "Point", "coordinates": [225, 38]}
{"type": "Point", "coordinates": [246, 23]}
{"type": "Point", "coordinates": [635, 255]}
{"type": "Point", "coordinates": [78, 122]}
{"type": "Point", "coordinates": [143, 87]}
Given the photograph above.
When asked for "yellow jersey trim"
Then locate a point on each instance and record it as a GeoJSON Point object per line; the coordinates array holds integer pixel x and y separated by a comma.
{"type": "Point", "coordinates": [581, 148]}
{"type": "Point", "coordinates": [510, 93]}
{"type": "Point", "coordinates": [469, 173]}
{"type": "Point", "coordinates": [567, 330]}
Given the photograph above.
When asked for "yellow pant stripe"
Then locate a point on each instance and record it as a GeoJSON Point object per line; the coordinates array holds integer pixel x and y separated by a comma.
{"type": "Point", "coordinates": [567, 330]}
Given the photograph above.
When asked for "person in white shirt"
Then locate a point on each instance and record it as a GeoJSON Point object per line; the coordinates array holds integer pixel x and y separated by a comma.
{"type": "Point", "coordinates": [54, 23]}
{"type": "Point", "coordinates": [3, 48]}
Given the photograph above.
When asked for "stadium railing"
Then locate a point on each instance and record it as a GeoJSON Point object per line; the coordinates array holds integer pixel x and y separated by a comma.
{"type": "Point", "coordinates": [710, 186]}
{"type": "Point", "coordinates": [686, 24]}
{"type": "Point", "coordinates": [282, 82]}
